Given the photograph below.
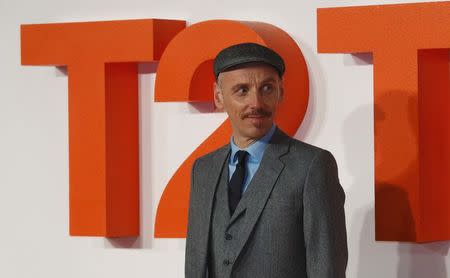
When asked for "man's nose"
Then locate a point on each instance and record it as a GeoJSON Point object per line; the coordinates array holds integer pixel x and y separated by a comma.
{"type": "Point", "coordinates": [255, 100]}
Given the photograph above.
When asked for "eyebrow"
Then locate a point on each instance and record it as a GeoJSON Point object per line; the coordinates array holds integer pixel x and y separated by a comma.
{"type": "Point", "coordinates": [268, 79]}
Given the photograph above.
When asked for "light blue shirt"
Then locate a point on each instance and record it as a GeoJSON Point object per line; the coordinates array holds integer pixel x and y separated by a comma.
{"type": "Point", "coordinates": [255, 154]}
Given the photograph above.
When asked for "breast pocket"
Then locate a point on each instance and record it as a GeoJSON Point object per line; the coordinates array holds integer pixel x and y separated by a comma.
{"type": "Point", "coordinates": [279, 217]}
{"type": "Point", "coordinates": [280, 203]}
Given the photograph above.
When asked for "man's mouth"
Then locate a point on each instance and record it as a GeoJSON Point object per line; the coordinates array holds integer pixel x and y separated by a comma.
{"type": "Point", "coordinates": [256, 116]}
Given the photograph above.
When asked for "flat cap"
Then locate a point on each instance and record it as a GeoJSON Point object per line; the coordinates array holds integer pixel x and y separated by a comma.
{"type": "Point", "coordinates": [244, 53]}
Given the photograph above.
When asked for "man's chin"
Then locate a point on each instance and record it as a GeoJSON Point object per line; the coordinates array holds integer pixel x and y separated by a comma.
{"type": "Point", "coordinates": [258, 129]}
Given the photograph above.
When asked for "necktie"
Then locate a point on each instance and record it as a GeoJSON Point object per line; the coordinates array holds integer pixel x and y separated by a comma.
{"type": "Point", "coordinates": [236, 181]}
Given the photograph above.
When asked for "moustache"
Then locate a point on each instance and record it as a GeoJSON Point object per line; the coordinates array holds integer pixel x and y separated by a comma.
{"type": "Point", "coordinates": [258, 113]}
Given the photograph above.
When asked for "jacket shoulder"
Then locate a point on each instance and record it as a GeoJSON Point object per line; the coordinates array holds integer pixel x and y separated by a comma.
{"type": "Point", "coordinates": [212, 156]}
{"type": "Point", "coordinates": [300, 146]}
{"type": "Point", "coordinates": [304, 152]}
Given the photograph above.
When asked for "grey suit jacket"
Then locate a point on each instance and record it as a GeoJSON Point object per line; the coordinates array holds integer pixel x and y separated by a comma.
{"type": "Point", "coordinates": [295, 221]}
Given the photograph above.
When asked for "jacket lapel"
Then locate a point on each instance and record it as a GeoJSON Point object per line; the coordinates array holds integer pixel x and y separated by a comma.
{"type": "Point", "coordinates": [254, 199]}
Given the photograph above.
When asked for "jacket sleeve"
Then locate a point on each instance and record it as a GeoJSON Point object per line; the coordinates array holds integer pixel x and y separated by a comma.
{"type": "Point", "coordinates": [190, 263]}
{"type": "Point", "coordinates": [324, 219]}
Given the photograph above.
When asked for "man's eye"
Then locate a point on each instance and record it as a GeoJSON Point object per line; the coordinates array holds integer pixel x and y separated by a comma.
{"type": "Point", "coordinates": [267, 88]}
{"type": "Point", "coordinates": [241, 90]}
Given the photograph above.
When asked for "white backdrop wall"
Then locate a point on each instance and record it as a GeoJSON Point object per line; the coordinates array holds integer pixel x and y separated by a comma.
{"type": "Point", "coordinates": [34, 236]}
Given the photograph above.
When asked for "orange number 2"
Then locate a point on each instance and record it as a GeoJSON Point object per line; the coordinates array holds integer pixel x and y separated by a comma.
{"type": "Point", "coordinates": [185, 74]}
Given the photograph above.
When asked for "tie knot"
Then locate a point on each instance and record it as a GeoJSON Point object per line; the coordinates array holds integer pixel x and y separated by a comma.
{"type": "Point", "coordinates": [241, 156]}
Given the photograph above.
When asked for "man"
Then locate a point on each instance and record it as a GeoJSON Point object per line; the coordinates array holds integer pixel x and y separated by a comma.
{"type": "Point", "coordinates": [265, 205]}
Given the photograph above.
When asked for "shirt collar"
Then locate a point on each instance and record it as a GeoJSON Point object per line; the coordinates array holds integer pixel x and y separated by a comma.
{"type": "Point", "coordinates": [255, 150]}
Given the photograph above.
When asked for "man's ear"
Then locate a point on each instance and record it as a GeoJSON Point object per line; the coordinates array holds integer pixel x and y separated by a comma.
{"type": "Point", "coordinates": [218, 97]}
{"type": "Point", "coordinates": [281, 88]}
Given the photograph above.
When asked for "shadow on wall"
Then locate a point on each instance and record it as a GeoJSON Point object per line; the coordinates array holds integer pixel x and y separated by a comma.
{"type": "Point", "coordinates": [376, 258]}
{"type": "Point", "coordinates": [125, 242]}
{"type": "Point", "coordinates": [422, 260]}
{"type": "Point", "coordinates": [412, 260]}
{"type": "Point", "coordinates": [393, 216]}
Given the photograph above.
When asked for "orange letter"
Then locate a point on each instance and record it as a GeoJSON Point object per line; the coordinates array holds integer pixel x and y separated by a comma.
{"type": "Point", "coordinates": [101, 58]}
{"type": "Point", "coordinates": [185, 74]}
{"type": "Point", "coordinates": [410, 45]}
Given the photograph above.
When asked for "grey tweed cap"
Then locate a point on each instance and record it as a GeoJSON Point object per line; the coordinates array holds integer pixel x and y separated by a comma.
{"type": "Point", "coordinates": [243, 53]}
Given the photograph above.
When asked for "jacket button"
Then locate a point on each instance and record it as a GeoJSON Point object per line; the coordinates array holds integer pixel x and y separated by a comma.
{"type": "Point", "coordinates": [228, 236]}
{"type": "Point", "coordinates": [226, 262]}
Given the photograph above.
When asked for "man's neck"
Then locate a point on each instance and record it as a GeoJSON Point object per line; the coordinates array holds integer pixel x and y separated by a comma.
{"type": "Point", "coordinates": [243, 142]}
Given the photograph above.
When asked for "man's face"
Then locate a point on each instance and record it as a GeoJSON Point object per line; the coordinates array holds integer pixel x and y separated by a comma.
{"type": "Point", "coordinates": [250, 96]}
